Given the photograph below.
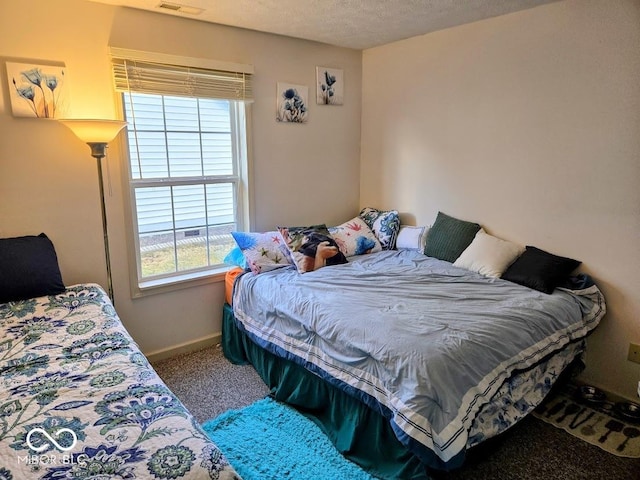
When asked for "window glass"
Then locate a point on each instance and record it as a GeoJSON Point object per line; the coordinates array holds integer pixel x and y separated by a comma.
{"type": "Point", "coordinates": [185, 164]}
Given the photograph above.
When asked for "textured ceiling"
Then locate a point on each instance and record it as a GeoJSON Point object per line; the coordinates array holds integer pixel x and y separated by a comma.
{"type": "Point", "coordinates": [358, 24]}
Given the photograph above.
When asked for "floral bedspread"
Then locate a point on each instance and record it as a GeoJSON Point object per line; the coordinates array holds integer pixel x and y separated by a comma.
{"type": "Point", "coordinates": [79, 400]}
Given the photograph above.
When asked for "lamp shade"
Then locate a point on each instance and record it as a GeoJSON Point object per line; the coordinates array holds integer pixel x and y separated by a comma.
{"type": "Point", "coordinates": [95, 131]}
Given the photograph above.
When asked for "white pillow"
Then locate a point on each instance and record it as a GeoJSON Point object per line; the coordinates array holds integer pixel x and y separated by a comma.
{"type": "Point", "coordinates": [488, 255]}
{"type": "Point", "coordinates": [355, 238]}
{"type": "Point", "coordinates": [412, 238]}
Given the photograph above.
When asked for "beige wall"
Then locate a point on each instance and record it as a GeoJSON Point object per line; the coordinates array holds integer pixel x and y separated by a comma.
{"type": "Point", "coordinates": [302, 173]}
{"type": "Point", "coordinates": [529, 124]}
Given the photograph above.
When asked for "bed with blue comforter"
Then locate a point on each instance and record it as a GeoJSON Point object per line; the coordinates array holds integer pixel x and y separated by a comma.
{"type": "Point", "coordinates": [78, 400]}
{"type": "Point", "coordinates": [446, 356]}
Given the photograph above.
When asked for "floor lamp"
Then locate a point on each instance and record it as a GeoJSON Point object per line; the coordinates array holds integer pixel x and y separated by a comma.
{"type": "Point", "coordinates": [97, 133]}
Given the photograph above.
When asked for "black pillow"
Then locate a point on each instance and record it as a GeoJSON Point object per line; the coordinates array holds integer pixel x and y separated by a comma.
{"type": "Point", "coordinates": [449, 237]}
{"type": "Point", "coordinates": [540, 270]}
{"type": "Point", "coordinates": [28, 268]}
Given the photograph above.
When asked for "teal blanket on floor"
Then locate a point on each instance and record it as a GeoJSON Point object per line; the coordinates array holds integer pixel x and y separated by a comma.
{"type": "Point", "coordinates": [269, 439]}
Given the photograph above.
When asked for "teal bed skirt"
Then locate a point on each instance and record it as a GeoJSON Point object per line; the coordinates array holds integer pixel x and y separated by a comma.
{"type": "Point", "coordinates": [359, 433]}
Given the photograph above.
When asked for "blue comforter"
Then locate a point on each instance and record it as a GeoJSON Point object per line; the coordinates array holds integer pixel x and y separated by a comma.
{"type": "Point", "coordinates": [424, 343]}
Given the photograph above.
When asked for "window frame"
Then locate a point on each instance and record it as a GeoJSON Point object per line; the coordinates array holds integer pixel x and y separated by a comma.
{"type": "Point", "coordinates": [140, 287]}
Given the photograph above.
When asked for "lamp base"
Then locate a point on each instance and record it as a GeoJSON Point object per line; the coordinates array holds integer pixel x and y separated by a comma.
{"type": "Point", "coordinates": [97, 149]}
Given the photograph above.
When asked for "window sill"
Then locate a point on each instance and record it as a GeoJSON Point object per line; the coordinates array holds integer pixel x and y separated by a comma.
{"type": "Point", "coordinates": [178, 282]}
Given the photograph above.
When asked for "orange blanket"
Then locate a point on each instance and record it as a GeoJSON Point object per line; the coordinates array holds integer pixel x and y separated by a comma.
{"type": "Point", "coordinates": [229, 279]}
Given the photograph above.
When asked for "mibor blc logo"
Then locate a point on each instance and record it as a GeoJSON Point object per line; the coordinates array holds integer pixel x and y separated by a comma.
{"type": "Point", "coordinates": [63, 439]}
{"type": "Point", "coordinates": [57, 434]}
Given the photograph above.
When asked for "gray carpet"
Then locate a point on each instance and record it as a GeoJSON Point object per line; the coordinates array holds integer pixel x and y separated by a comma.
{"type": "Point", "coordinates": [208, 385]}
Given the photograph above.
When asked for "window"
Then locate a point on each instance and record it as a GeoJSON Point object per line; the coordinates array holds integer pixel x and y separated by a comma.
{"type": "Point", "coordinates": [187, 167]}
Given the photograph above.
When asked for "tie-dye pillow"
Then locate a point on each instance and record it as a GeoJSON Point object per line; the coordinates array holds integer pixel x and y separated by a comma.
{"type": "Point", "coordinates": [385, 225]}
{"type": "Point", "coordinates": [263, 251]}
{"type": "Point", "coordinates": [355, 238]}
{"type": "Point", "coordinates": [311, 247]}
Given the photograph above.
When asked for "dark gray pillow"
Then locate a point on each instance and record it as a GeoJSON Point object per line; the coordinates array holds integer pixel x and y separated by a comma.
{"type": "Point", "coordinates": [540, 270]}
{"type": "Point", "coordinates": [448, 237]}
{"type": "Point", "coordinates": [28, 268]}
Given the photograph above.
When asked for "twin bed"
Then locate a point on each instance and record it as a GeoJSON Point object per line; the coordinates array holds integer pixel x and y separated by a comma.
{"type": "Point", "coordinates": [404, 360]}
{"type": "Point", "coordinates": [79, 400]}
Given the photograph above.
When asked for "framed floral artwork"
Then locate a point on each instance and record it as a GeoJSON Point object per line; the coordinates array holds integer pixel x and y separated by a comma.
{"type": "Point", "coordinates": [330, 86]}
{"type": "Point", "coordinates": [292, 103]}
{"type": "Point", "coordinates": [38, 91]}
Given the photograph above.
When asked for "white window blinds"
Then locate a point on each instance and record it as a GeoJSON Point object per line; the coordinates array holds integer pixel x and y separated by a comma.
{"type": "Point", "coordinates": [182, 76]}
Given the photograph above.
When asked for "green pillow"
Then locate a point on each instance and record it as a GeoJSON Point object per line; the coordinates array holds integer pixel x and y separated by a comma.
{"type": "Point", "coordinates": [449, 237]}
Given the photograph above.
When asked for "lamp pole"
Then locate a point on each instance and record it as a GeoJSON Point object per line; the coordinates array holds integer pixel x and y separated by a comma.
{"type": "Point", "coordinates": [97, 133]}
{"type": "Point", "coordinates": [98, 152]}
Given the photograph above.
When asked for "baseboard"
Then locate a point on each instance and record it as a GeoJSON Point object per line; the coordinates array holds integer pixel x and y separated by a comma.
{"type": "Point", "coordinates": [185, 347]}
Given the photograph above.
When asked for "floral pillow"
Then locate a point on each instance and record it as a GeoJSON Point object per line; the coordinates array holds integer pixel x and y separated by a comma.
{"type": "Point", "coordinates": [355, 238]}
{"type": "Point", "coordinates": [311, 247]}
{"type": "Point", "coordinates": [262, 251]}
{"type": "Point", "coordinates": [385, 225]}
